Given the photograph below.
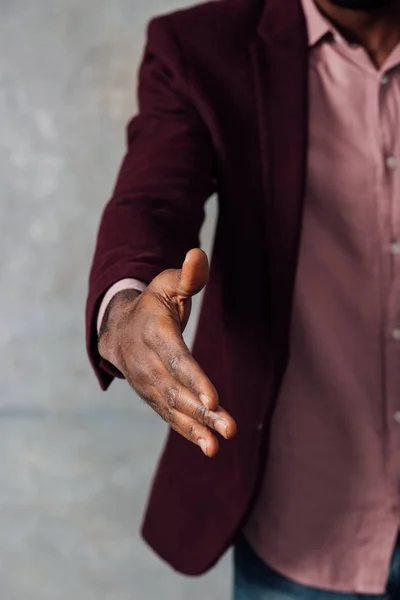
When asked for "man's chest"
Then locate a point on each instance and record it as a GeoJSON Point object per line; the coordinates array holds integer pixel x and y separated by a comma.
{"type": "Point", "coordinates": [353, 167]}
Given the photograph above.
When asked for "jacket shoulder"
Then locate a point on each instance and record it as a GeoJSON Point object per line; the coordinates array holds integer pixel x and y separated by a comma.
{"type": "Point", "coordinates": [213, 21]}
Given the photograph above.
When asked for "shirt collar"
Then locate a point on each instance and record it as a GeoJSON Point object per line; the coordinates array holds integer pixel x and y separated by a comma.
{"type": "Point", "coordinates": [318, 26]}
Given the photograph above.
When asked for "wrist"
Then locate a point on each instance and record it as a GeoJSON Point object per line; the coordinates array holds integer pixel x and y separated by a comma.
{"type": "Point", "coordinates": [116, 311]}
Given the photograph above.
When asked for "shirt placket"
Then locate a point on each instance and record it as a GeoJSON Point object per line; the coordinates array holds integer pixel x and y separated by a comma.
{"type": "Point", "coordinates": [389, 116]}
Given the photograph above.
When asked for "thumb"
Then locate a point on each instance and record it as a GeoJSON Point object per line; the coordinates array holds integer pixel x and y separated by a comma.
{"type": "Point", "coordinates": [194, 273]}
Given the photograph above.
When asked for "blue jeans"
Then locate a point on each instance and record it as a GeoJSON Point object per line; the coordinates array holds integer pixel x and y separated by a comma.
{"type": "Point", "coordinates": [254, 580]}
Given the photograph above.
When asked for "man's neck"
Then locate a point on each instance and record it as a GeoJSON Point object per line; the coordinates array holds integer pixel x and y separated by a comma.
{"type": "Point", "coordinates": [378, 31]}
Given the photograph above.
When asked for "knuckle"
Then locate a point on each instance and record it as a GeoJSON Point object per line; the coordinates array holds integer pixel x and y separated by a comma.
{"type": "Point", "coordinates": [152, 403]}
{"type": "Point", "coordinates": [191, 382]}
{"type": "Point", "coordinates": [165, 277]}
{"type": "Point", "coordinates": [148, 334]}
{"type": "Point", "coordinates": [137, 363]}
{"type": "Point", "coordinates": [174, 363]}
{"type": "Point", "coordinates": [171, 396]}
{"type": "Point", "coordinates": [169, 415]}
{"type": "Point", "coordinates": [191, 433]}
{"type": "Point", "coordinates": [136, 369]}
{"type": "Point", "coordinates": [201, 413]}
{"type": "Point", "coordinates": [153, 375]}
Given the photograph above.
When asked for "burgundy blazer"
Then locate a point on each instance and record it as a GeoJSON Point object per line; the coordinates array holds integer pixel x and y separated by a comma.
{"type": "Point", "coordinates": [223, 108]}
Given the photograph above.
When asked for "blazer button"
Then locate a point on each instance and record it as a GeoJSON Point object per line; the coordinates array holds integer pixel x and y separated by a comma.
{"type": "Point", "coordinates": [260, 426]}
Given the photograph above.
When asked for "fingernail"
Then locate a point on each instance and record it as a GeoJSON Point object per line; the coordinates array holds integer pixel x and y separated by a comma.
{"type": "Point", "coordinates": [222, 427]}
{"type": "Point", "coordinates": [186, 257]}
{"type": "Point", "coordinates": [203, 445]}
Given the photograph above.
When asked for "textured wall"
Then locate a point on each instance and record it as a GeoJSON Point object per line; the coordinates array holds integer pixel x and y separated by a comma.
{"type": "Point", "coordinates": [76, 463]}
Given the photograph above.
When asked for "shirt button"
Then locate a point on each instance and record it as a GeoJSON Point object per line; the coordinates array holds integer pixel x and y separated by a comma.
{"type": "Point", "coordinates": [397, 417]}
{"type": "Point", "coordinates": [395, 248]}
{"type": "Point", "coordinates": [385, 79]}
{"type": "Point", "coordinates": [260, 426]}
{"type": "Point", "coordinates": [396, 334]}
{"type": "Point", "coordinates": [391, 163]}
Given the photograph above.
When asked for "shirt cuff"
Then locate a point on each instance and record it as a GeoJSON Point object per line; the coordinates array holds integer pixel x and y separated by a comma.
{"type": "Point", "coordinates": [123, 284]}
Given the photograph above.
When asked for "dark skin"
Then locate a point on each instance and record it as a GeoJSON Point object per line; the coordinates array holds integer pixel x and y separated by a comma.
{"type": "Point", "coordinates": [377, 31]}
{"type": "Point", "coordinates": [142, 337]}
{"type": "Point", "coordinates": [142, 333]}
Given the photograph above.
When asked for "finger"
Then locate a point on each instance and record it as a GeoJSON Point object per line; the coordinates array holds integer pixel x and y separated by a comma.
{"type": "Point", "coordinates": [168, 344]}
{"type": "Point", "coordinates": [180, 399]}
{"type": "Point", "coordinates": [196, 433]}
{"type": "Point", "coordinates": [190, 429]}
{"type": "Point", "coordinates": [189, 402]}
{"type": "Point", "coordinates": [194, 274]}
{"type": "Point", "coordinates": [155, 381]}
{"type": "Point", "coordinates": [180, 284]}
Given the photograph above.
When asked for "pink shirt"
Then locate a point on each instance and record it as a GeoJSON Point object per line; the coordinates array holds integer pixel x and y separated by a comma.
{"type": "Point", "coordinates": [328, 512]}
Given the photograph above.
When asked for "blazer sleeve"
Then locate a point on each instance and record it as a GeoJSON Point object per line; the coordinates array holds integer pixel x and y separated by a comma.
{"type": "Point", "coordinates": [156, 211]}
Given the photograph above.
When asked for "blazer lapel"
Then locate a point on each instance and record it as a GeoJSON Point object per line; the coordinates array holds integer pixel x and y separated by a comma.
{"type": "Point", "coordinates": [280, 66]}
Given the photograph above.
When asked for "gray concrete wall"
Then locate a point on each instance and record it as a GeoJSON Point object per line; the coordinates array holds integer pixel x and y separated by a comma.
{"type": "Point", "coordinates": [75, 463]}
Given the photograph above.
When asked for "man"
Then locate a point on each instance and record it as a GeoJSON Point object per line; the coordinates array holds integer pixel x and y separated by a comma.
{"type": "Point", "coordinates": [290, 111]}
